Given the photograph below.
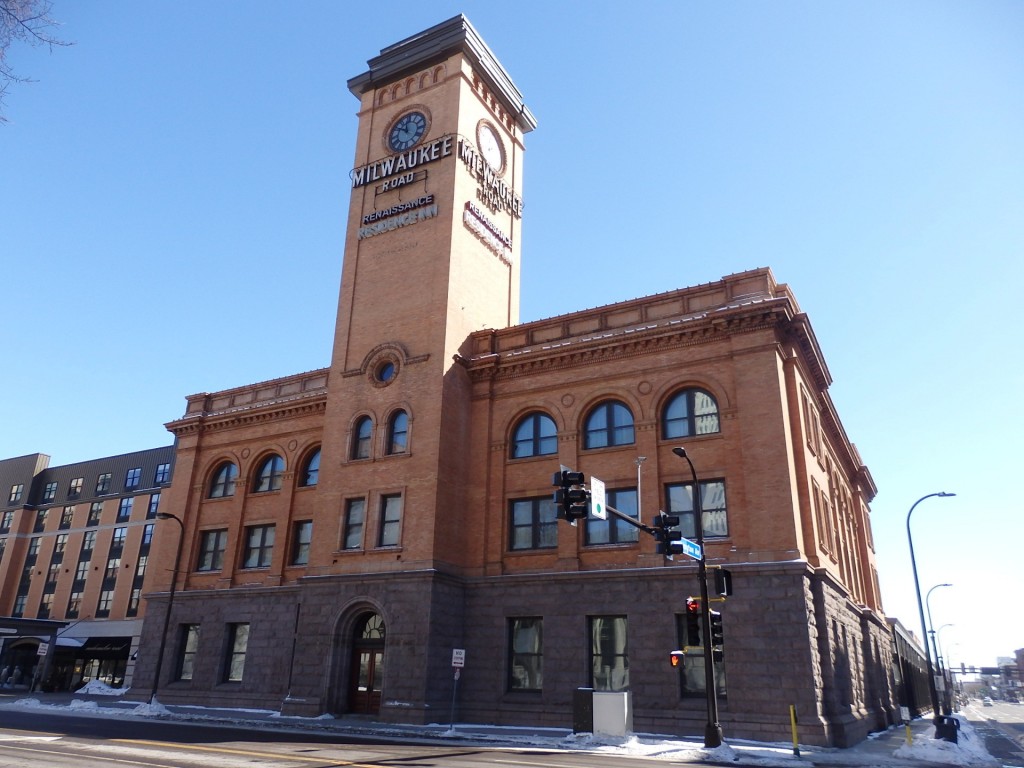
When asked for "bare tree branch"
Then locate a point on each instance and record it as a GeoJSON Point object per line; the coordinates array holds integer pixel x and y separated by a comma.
{"type": "Point", "coordinates": [26, 21]}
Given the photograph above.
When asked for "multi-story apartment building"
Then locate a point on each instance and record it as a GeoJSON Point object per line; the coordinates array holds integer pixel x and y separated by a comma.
{"type": "Point", "coordinates": [350, 532]}
{"type": "Point", "coordinates": [74, 548]}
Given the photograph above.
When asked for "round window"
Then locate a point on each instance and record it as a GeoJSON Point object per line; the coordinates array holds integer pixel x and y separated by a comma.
{"type": "Point", "coordinates": [386, 372]}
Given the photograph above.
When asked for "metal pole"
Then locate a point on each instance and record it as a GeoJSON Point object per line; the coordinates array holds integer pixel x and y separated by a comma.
{"type": "Point", "coordinates": [712, 729]}
{"type": "Point", "coordinates": [170, 602]}
{"type": "Point", "coordinates": [936, 717]}
{"type": "Point", "coordinates": [931, 624]}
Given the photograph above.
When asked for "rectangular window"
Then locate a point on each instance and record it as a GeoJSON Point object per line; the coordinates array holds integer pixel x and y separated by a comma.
{"type": "Point", "coordinates": [355, 517]}
{"type": "Point", "coordinates": [133, 602]}
{"type": "Point", "coordinates": [103, 606]}
{"type": "Point", "coordinates": [82, 570]}
{"type": "Point", "coordinates": [16, 491]}
{"type": "Point", "coordinates": [238, 643]}
{"type": "Point", "coordinates": [40, 524]}
{"type": "Point", "coordinates": [691, 671]}
{"type": "Point", "coordinates": [50, 491]}
{"type": "Point", "coordinates": [259, 546]}
{"type": "Point", "coordinates": [5, 521]}
{"type": "Point", "coordinates": [67, 515]}
{"type": "Point", "coordinates": [132, 478]}
{"type": "Point", "coordinates": [33, 546]}
{"type": "Point", "coordinates": [95, 510]}
{"type": "Point", "coordinates": [120, 534]}
{"type": "Point", "coordinates": [211, 550]}
{"type": "Point", "coordinates": [526, 654]}
{"type": "Point", "coordinates": [75, 489]}
{"type": "Point", "coordinates": [124, 508]}
{"type": "Point", "coordinates": [147, 535]}
{"type": "Point", "coordinates": [140, 567]}
{"type": "Point", "coordinates": [679, 498]}
{"type": "Point", "coordinates": [303, 537]}
{"type": "Point", "coordinates": [103, 483]}
{"type": "Point", "coordinates": [60, 544]}
{"type": "Point", "coordinates": [613, 530]}
{"type": "Point", "coordinates": [390, 520]}
{"type": "Point", "coordinates": [74, 605]}
{"type": "Point", "coordinates": [53, 573]}
{"type": "Point", "coordinates": [609, 659]}
{"type": "Point", "coordinates": [3, 546]}
{"type": "Point", "coordinates": [154, 506]}
{"type": "Point", "coordinates": [19, 606]}
{"type": "Point", "coordinates": [188, 639]}
{"type": "Point", "coordinates": [88, 543]}
{"type": "Point", "coordinates": [113, 567]}
{"type": "Point", "coordinates": [534, 524]}
{"type": "Point", "coordinates": [45, 606]}
{"type": "Point", "coordinates": [163, 474]}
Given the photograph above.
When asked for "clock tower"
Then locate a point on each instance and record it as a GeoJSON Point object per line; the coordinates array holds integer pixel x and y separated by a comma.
{"type": "Point", "coordinates": [431, 255]}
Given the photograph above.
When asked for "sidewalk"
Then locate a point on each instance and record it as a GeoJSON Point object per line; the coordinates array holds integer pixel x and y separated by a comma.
{"type": "Point", "coordinates": [887, 748]}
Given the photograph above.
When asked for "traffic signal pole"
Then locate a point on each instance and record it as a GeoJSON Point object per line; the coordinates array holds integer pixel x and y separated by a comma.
{"type": "Point", "coordinates": [712, 729]}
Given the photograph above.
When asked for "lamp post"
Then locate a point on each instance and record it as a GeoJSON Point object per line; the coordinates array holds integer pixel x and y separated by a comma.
{"type": "Point", "coordinates": [712, 730]}
{"type": "Point", "coordinates": [170, 602]}
{"type": "Point", "coordinates": [936, 717]}
{"type": "Point", "coordinates": [931, 624]}
{"type": "Point", "coordinates": [947, 678]}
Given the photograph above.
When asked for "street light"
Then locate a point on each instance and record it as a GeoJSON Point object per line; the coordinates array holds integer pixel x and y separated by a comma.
{"type": "Point", "coordinates": [712, 730]}
{"type": "Point", "coordinates": [936, 717]}
{"type": "Point", "coordinates": [947, 678]}
{"type": "Point", "coordinates": [170, 601]}
{"type": "Point", "coordinates": [931, 624]}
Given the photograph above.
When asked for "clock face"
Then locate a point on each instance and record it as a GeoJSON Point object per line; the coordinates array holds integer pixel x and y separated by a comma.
{"type": "Point", "coordinates": [490, 146]}
{"type": "Point", "coordinates": [407, 130]}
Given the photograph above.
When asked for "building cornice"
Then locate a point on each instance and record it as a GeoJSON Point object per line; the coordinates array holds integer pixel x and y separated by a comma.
{"type": "Point", "coordinates": [434, 44]}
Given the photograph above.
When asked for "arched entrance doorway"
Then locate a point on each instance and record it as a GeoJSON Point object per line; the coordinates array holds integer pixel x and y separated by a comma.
{"type": "Point", "coordinates": [367, 670]}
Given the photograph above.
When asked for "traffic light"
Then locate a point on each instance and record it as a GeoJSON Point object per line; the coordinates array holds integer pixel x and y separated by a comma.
{"type": "Point", "coordinates": [723, 582]}
{"type": "Point", "coordinates": [692, 621]}
{"type": "Point", "coordinates": [666, 536]}
{"type": "Point", "coordinates": [676, 658]}
{"type": "Point", "coordinates": [571, 498]}
{"type": "Point", "coordinates": [717, 637]}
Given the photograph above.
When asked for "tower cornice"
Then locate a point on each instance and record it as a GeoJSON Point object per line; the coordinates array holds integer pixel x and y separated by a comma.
{"type": "Point", "coordinates": [432, 45]}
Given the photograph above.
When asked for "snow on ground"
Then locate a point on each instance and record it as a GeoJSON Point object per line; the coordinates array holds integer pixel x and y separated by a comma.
{"type": "Point", "coordinates": [892, 751]}
{"type": "Point", "coordinates": [97, 688]}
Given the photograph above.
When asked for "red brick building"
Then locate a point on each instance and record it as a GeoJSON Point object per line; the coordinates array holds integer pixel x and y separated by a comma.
{"type": "Point", "coordinates": [346, 529]}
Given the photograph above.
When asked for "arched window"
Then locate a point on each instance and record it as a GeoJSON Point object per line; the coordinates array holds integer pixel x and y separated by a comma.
{"type": "Point", "coordinates": [268, 476]}
{"type": "Point", "coordinates": [536, 435]}
{"type": "Point", "coordinates": [398, 432]}
{"type": "Point", "coordinates": [690, 412]}
{"type": "Point", "coordinates": [311, 470]}
{"type": "Point", "coordinates": [610, 423]}
{"type": "Point", "coordinates": [362, 438]}
{"type": "Point", "coordinates": [223, 483]}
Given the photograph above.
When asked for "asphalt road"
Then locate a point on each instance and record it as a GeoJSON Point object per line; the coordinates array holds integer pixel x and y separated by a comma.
{"type": "Point", "coordinates": [1002, 727]}
{"type": "Point", "coordinates": [34, 740]}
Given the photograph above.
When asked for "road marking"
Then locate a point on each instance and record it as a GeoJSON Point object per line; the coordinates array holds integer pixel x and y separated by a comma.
{"type": "Point", "coordinates": [71, 753]}
{"type": "Point", "coordinates": [247, 753]}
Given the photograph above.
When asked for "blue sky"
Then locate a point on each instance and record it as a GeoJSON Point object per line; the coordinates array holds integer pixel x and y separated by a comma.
{"type": "Point", "coordinates": [173, 190]}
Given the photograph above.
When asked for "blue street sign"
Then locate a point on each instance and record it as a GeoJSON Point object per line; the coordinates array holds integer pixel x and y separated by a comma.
{"type": "Point", "coordinates": [691, 548]}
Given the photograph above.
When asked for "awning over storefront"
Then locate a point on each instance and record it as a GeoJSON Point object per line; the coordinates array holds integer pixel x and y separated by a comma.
{"type": "Point", "coordinates": [106, 647]}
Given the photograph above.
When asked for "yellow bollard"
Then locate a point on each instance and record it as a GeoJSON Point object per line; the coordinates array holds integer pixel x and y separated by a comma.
{"type": "Point", "coordinates": [792, 723]}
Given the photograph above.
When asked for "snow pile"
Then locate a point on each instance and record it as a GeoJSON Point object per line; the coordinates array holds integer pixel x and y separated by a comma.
{"type": "Point", "coordinates": [151, 709]}
{"type": "Point", "coordinates": [98, 688]}
{"type": "Point", "coordinates": [969, 749]}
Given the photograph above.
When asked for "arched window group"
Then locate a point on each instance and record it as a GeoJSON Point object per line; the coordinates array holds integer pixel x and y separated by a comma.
{"type": "Point", "coordinates": [396, 440]}
{"type": "Point", "coordinates": [269, 475]}
{"type": "Point", "coordinates": [610, 423]}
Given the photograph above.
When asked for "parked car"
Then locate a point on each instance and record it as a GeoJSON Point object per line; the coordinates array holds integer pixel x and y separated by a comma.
{"type": "Point", "coordinates": [986, 702]}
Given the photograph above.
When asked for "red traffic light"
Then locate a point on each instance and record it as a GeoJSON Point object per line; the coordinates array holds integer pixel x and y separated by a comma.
{"type": "Point", "coordinates": [692, 605]}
